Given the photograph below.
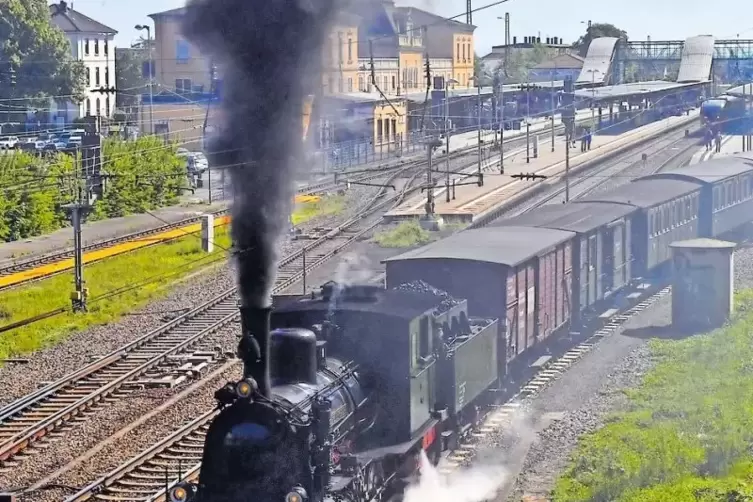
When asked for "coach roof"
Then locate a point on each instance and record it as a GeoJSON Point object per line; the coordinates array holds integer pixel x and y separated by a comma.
{"type": "Point", "coordinates": [502, 245]}
{"type": "Point", "coordinates": [645, 193]}
{"type": "Point", "coordinates": [711, 171]}
{"type": "Point", "coordinates": [572, 217]}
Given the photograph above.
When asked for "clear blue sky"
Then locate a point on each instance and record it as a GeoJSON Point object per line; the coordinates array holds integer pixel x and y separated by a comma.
{"type": "Point", "coordinates": [660, 19]}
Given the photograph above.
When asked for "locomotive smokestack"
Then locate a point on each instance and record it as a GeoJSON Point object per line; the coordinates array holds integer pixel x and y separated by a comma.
{"type": "Point", "coordinates": [253, 348]}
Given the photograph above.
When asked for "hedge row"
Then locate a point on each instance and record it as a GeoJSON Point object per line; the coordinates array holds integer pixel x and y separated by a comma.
{"type": "Point", "coordinates": [143, 175]}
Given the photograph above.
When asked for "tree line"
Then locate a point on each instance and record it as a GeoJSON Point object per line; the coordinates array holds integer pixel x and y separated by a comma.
{"type": "Point", "coordinates": [139, 176]}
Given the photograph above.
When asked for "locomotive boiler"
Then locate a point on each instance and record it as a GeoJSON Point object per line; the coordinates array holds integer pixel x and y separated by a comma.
{"type": "Point", "coordinates": [359, 381]}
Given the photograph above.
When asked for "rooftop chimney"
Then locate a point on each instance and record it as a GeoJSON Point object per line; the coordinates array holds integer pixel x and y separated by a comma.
{"type": "Point", "coordinates": [62, 7]}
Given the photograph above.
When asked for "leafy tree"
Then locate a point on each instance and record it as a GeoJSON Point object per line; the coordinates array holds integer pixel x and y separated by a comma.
{"type": "Point", "coordinates": [598, 30]}
{"type": "Point", "coordinates": [521, 62]}
{"type": "Point", "coordinates": [39, 54]}
{"type": "Point", "coordinates": [129, 75]}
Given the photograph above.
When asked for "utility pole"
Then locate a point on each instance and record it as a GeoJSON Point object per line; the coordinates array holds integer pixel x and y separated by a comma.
{"type": "Point", "coordinates": [430, 179]}
{"type": "Point", "coordinates": [502, 126]}
{"type": "Point", "coordinates": [568, 116]}
{"type": "Point", "coordinates": [78, 211]}
{"type": "Point", "coordinates": [148, 29]}
{"type": "Point", "coordinates": [554, 108]}
{"type": "Point", "coordinates": [212, 90]}
{"type": "Point", "coordinates": [528, 121]}
{"type": "Point", "coordinates": [11, 87]}
{"type": "Point", "coordinates": [447, 133]}
{"type": "Point", "coordinates": [480, 177]}
{"type": "Point", "coordinates": [567, 163]}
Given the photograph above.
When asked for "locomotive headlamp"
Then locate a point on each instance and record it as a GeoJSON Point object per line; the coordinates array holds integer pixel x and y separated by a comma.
{"type": "Point", "coordinates": [178, 494]}
{"type": "Point", "coordinates": [245, 388]}
{"type": "Point", "coordinates": [182, 492]}
{"type": "Point", "coordinates": [297, 494]}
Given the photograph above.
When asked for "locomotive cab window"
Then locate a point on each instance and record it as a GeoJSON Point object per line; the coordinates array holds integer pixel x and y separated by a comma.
{"type": "Point", "coordinates": [424, 346]}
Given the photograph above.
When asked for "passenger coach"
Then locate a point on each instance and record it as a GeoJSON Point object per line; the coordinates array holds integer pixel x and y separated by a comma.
{"type": "Point", "coordinates": [521, 276]}
{"type": "Point", "coordinates": [665, 211]}
{"type": "Point", "coordinates": [726, 198]}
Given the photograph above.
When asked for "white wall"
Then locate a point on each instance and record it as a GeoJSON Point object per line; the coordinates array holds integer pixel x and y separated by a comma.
{"type": "Point", "coordinates": [98, 56]}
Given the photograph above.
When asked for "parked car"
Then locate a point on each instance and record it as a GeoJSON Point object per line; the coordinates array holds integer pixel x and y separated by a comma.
{"type": "Point", "coordinates": [8, 142]}
{"type": "Point", "coordinates": [74, 141]}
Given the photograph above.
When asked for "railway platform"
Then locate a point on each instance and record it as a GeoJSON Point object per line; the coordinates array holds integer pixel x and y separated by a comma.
{"type": "Point", "coordinates": [468, 201]}
{"type": "Point", "coordinates": [731, 145]}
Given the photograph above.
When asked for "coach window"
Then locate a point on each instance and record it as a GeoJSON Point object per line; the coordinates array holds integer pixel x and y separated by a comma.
{"type": "Point", "coordinates": [716, 197]}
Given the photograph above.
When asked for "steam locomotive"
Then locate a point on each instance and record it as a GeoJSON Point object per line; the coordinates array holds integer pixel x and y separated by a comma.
{"type": "Point", "coordinates": [359, 381]}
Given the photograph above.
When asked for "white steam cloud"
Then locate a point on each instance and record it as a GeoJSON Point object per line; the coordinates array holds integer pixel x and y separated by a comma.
{"type": "Point", "coordinates": [472, 485]}
{"type": "Point", "coordinates": [494, 471]}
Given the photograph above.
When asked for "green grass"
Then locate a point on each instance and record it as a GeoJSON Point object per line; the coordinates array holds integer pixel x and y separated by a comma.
{"type": "Point", "coordinates": [168, 262]}
{"type": "Point", "coordinates": [404, 235]}
{"type": "Point", "coordinates": [157, 268]}
{"type": "Point", "coordinates": [327, 206]}
{"type": "Point", "coordinates": [688, 432]}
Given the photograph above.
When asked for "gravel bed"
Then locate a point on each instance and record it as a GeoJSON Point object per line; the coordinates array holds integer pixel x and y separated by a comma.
{"type": "Point", "coordinates": [49, 364]}
{"type": "Point", "coordinates": [105, 422]}
{"type": "Point", "coordinates": [77, 350]}
{"type": "Point", "coordinates": [137, 440]}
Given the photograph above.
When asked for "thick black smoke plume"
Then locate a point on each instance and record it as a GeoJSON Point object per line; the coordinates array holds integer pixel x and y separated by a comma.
{"type": "Point", "coordinates": [269, 54]}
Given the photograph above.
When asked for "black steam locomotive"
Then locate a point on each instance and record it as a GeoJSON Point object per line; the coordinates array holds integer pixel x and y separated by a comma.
{"type": "Point", "coordinates": [340, 397]}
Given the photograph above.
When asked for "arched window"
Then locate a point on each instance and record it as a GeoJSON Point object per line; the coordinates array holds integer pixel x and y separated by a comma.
{"type": "Point", "coordinates": [107, 106]}
{"type": "Point", "coordinates": [88, 77]}
{"type": "Point", "coordinates": [88, 107]}
{"type": "Point", "coordinates": [99, 107]}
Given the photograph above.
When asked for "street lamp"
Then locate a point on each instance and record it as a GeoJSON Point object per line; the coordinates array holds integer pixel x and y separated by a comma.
{"type": "Point", "coordinates": [141, 27]}
{"type": "Point", "coordinates": [447, 84]}
{"type": "Point", "coordinates": [593, 73]}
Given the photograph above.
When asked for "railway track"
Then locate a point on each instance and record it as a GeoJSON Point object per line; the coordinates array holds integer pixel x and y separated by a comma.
{"type": "Point", "coordinates": [315, 188]}
{"type": "Point", "coordinates": [663, 151]}
{"type": "Point", "coordinates": [26, 424]}
{"type": "Point", "coordinates": [176, 458]}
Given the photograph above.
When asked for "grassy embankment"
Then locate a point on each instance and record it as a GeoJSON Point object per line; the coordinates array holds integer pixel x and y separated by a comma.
{"type": "Point", "coordinates": [404, 235]}
{"type": "Point", "coordinates": [152, 269]}
{"type": "Point", "coordinates": [688, 433]}
{"type": "Point", "coordinates": [409, 233]}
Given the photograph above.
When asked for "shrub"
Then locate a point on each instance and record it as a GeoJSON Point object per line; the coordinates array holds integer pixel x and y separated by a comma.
{"type": "Point", "coordinates": [146, 174]}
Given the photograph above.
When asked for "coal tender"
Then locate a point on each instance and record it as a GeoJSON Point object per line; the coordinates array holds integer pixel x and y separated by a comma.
{"type": "Point", "coordinates": [361, 380]}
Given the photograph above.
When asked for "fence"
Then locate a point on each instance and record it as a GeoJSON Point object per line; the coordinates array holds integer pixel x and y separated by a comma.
{"type": "Point", "coordinates": [352, 154]}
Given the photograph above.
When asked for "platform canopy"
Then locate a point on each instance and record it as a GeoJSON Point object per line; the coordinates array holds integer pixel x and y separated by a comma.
{"type": "Point", "coordinates": [697, 55]}
{"type": "Point", "coordinates": [598, 61]}
{"type": "Point", "coordinates": [624, 91]}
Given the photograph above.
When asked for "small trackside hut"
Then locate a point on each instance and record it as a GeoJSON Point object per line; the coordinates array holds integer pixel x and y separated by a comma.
{"type": "Point", "coordinates": [601, 250]}
{"type": "Point", "coordinates": [519, 275]}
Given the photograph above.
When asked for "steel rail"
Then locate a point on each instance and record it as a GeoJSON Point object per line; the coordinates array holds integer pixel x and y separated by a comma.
{"type": "Point", "coordinates": [116, 483]}
{"type": "Point", "coordinates": [53, 407]}
{"type": "Point", "coordinates": [322, 187]}
{"type": "Point", "coordinates": [120, 482]}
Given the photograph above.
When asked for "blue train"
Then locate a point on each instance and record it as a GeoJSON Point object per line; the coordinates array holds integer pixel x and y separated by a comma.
{"type": "Point", "coordinates": [727, 112]}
